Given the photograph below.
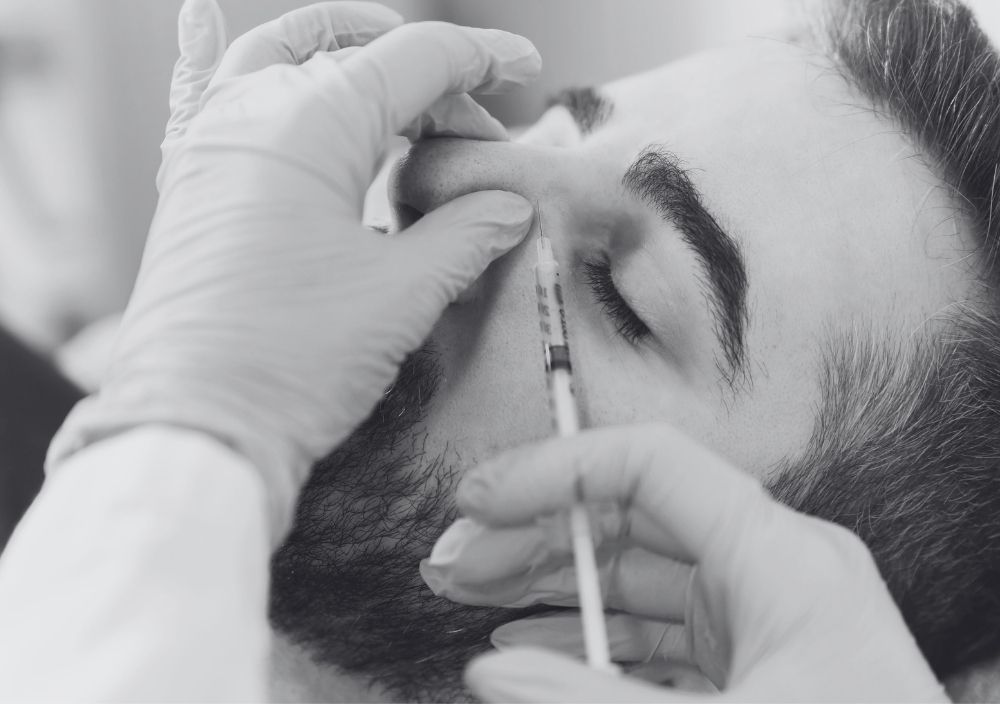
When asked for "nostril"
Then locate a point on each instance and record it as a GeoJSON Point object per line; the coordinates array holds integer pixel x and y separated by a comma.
{"type": "Point", "coordinates": [406, 215]}
{"type": "Point", "coordinates": [404, 191]}
{"type": "Point", "coordinates": [436, 171]}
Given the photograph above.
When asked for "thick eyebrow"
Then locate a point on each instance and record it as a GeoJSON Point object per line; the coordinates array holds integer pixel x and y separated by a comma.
{"type": "Point", "coordinates": [658, 178]}
{"type": "Point", "coordinates": [588, 108]}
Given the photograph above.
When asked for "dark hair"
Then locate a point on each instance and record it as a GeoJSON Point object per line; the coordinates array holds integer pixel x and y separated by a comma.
{"type": "Point", "coordinates": [906, 449]}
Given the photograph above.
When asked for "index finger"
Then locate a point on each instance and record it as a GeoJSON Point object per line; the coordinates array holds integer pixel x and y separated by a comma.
{"type": "Point", "coordinates": [201, 39]}
{"type": "Point", "coordinates": [402, 73]}
{"type": "Point", "coordinates": [296, 36]}
{"type": "Point", "coordinates": [698, 500]}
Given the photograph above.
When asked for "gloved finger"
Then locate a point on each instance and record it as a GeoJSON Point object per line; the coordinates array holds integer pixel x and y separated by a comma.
{"type": "Point", "coordinates": [630, 638]}
{"type": "Point", "coordinates": [675, 675]}
{"type": "Point", "coordinates": [347, 51]}
{"type": "Point", "coordinates": [697, 499]}
{"type": "Point", "coordinates": [450, 247]}
{"type": "Point", "coordinates": [456, 116]}
{"type": "Point", "coordinates": [512, 566]}
{"type": "Point", "coordinates": [296, 36]}
{"type": "Point", "coordinates": [473, 552]}
{"type": "Point", "coordinates": [201, 38]}
{"type": "Point", "coordinates": [407, 70]}
{"type": "Point", "coordinates": [451, 116]}
{"type": "Point", "coordinates": [632, 580]}
{"type": "Point", "coordinates": [536, 675]}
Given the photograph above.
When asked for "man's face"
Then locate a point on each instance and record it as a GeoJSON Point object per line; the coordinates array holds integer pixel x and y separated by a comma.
{"type": "Point", "coordinates": [821, 203]}
{"type": "Point", "coordinates": [719, 223]}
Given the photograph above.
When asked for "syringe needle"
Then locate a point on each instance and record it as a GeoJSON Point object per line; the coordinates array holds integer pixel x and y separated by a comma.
{"type": "Point", "coordinates": [559, 373]}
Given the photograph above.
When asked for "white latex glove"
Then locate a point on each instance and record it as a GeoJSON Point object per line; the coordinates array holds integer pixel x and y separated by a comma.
{"type": "Point", "coordinates": [292, 39]}
{"type": "Point", "coordinates": [264, 313]}
{"type": "Point", "coordinates": [779, 606]}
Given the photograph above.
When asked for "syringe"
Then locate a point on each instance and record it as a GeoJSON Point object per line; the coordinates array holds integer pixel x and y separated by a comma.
{"type": "Point", "coordinates": [559, 372]}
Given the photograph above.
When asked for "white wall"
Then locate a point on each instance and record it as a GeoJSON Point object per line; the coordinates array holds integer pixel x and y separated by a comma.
{"type": "Point", "coordinates": [594, 41]}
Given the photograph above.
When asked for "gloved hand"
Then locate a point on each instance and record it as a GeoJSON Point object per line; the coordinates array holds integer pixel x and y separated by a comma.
{"type": "Point", "coordinates": [775, 605]}
{"type": "Point", "coordinates": [292, 39]}
{"type": "Point", "coordinates": [264, 313]}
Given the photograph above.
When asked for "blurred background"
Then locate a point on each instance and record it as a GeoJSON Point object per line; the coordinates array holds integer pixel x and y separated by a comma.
{"type": "Point", "coordinates": [83, 103]}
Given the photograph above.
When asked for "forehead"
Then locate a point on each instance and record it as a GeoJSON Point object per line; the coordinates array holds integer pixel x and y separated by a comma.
{"type": "Point", "coordinates": [794, 161]}
{"type": "Point", "coordinates": [761, 107]}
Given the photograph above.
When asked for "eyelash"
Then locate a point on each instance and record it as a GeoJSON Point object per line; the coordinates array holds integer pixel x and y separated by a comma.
{"type": "Point", "coordinates": [602, 285]}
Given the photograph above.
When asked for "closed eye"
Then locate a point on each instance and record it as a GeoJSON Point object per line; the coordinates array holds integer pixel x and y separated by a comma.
{"type": "Point", "coordinates": [602, 285]}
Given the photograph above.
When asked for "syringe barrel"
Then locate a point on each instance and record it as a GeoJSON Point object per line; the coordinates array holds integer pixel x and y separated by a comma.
{"type": "Point", "coordinates": [555, 342]}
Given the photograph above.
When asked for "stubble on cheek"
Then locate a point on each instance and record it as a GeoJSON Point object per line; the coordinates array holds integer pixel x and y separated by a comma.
{"type": "Point", "coordinates": [346, 584]}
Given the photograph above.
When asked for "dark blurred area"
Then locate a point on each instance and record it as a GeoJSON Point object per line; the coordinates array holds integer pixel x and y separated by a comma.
{"type": "Point", "coordinates": [34, 401]}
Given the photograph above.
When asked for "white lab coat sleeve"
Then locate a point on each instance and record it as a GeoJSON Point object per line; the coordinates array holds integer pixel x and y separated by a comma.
{"type": "Point", "coordinates": [140, 573]}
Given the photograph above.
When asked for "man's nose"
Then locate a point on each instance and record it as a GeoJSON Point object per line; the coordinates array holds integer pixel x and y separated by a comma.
{"type": "Point", "coordinates": [490, 344]}
{"type": "Point", "coordinates": [436, 171]}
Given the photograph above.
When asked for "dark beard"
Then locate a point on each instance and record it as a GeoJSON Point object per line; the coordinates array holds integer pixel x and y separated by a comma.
{"type": "Point", "coordinates": [903, 454]}
{"type": "Point", "coordinates": [920, 487]}
{"type": "Point", "coordinates": [345, 584]}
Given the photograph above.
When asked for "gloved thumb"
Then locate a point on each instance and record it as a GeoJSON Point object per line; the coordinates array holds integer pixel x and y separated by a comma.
{"type": "Point", "coordinates": [630, 638]}
{"type": "Point", "coordinates": [450, 247]}
{"type": "Point", "coordinates": [201, 38]}
{"type": "Point", "coordinates": [535, 675]}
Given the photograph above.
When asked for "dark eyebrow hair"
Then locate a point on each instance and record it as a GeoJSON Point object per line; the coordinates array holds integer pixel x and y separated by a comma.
{"type": "Point", "coordinates": [588, 108]}
{"type": "Point", "coordinates": [658, 178]}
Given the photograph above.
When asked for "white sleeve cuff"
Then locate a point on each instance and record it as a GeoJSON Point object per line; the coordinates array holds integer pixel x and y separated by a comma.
{"type": "Point", "coordinates": [140, 573]}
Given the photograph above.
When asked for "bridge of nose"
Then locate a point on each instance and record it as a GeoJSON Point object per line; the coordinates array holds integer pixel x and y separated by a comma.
{"type": "Point", "coordinates": [436, 171]}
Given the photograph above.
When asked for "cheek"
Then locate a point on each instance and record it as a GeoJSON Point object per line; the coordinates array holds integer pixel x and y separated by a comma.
{"type": "Point", "coordinates": [617, 383]}
{"type": "Point", "coordinates": [493, 394]}
{"type": "Point", "coordinates": [614, 390]}
{"type": "Point", "coordinates": [807, 291]}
